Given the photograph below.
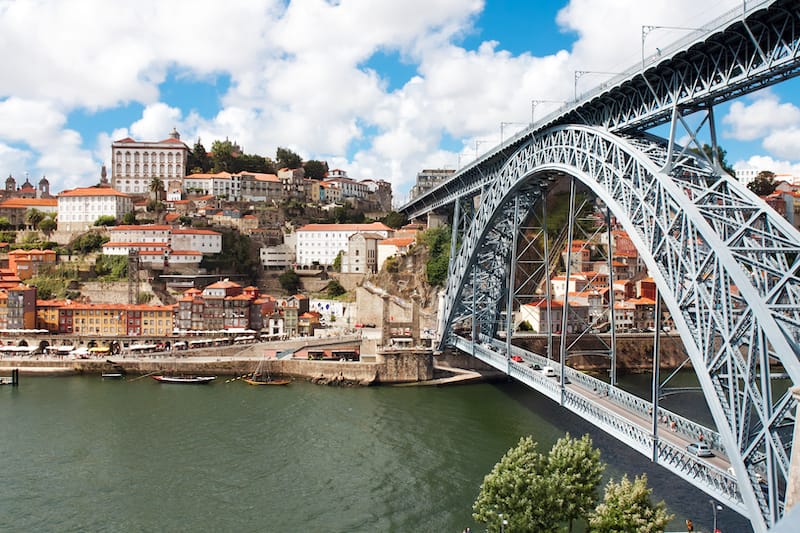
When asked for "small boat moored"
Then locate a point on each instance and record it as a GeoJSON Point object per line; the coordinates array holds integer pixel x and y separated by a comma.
{"type": "Point", "coordinates": [112, 375]}
{"type": "Point", "coordinates": [187, 380]}
{"type": "Point", "coordinates": [260, 379]}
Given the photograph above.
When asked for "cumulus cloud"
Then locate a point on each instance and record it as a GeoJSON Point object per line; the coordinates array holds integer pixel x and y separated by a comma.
{"type": "Point", "coordinates": [764, 162]}
{"type": "Point", "coordinates": [766, 114]}
{"type": "Point", "coordinates": [298, 77]}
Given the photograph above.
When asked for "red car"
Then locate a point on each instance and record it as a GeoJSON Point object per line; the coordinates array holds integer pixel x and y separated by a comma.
{"type": "Point", "coordinates": [516, 359]}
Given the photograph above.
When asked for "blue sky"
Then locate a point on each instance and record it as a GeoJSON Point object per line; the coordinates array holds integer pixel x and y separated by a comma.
{"type": "Point", "coordinates": [379, 88]}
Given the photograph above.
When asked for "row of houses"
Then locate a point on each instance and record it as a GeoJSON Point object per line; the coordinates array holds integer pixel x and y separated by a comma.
{"type": "Point", "coordinates": [224, 305]}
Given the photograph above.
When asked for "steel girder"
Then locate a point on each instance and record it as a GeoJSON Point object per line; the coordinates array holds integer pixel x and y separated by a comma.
{"type": "Point", "coordinates": [737, 56]}
{"type": "Point", "coordinates": [725, 264]}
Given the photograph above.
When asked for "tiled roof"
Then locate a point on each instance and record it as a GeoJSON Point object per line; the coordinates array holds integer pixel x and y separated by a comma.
{"type": "Point", "coordinates": [24, 203]}
{"type": "Point", "coordinates": [374, 226]}
{"type": "Point", "coordinates": [93, 191]}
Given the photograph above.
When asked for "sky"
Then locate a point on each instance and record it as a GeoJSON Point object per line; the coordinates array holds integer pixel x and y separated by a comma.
{"type": "Point", "coordinates": [379, 88]}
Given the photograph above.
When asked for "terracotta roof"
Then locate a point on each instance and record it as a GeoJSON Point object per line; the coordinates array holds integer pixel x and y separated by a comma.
{"type": "Point", "coordinates": [224, 284]}
{"type": "Point", "coordinates": [93, 191]}
{"type": "Point", "coordinates": [145, 227]}
{"type": "Point", "coordinates": [185, 231]}
{"type": "Point", "coordinates": [23, 203]}
{"type": "Point", "coordinates": [374, 226]}
{"type": "Point", "coordinates": [218, 175]}
{"type": "Point", "coordinates": [398, 241]}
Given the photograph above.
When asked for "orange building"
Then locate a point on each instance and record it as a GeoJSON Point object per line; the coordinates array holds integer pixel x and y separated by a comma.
{"type": "Point", "coordinates": [27, 263]}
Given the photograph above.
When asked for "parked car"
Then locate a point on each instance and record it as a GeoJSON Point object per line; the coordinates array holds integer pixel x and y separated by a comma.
{"type": "Point", "coordinates": [700, 449]}
{"type": "Point", "coordinates": [516, 359]}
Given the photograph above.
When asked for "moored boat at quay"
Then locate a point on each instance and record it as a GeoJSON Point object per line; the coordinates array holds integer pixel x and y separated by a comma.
{"type": "Point", "coordinates": [185, 380]}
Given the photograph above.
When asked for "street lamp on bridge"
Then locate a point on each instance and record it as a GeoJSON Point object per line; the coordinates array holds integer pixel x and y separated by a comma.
{"type": "Point", "coordinates": [504, 124]}
{"type": "Point", "coordinates": [479, 142]}
{"type": "Point", "coordinates": [534, 103]}
{"type": "Point", "coordinates": [646, 30]}
{"type": "Point", "coordinates": [581, 73]}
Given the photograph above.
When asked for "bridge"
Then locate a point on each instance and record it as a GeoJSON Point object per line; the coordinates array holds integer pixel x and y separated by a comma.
{"type": "Point", "coordinates": [725, 266]}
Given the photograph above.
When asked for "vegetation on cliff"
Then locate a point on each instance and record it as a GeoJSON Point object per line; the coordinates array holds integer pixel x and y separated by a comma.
{"type": "Point", "coordinates": [437, 241]}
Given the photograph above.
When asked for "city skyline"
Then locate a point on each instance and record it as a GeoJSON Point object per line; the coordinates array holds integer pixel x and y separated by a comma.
{"type": "Point", "coordinates": [379, 88]}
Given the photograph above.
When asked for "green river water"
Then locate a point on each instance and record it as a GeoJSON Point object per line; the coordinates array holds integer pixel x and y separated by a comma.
{"type": "Point", "coordinates": [83, 454]}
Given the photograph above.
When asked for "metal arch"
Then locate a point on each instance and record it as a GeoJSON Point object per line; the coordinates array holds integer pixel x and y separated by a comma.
{"type": "Point", "coordinates": [726, 266]}
{"type": "Point", "coordinates": [741, 53]}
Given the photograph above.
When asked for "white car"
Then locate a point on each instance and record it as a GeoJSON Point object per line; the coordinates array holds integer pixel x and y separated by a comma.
{"type": "Point", "coordinates": [549, 371]}
{"type": "Point", "coordinates": [700, 449]}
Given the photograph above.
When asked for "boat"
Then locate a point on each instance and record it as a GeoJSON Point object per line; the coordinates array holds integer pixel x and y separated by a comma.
{"type": "Point", "coordinates": [260, 376]}
{"type": "Point", "coordinates": [261, 379]}
{"type": "Point", "coordinates": [187, 380]}
{"type": "Point", "coordinates": [112, 375]}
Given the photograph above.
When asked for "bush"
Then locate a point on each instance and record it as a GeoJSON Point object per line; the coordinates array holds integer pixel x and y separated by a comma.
{"type": "Point", "coordinates": [334, 289]}
{"type": "Point", "coordinates": [111, 267]}
{"type": "Point", "coordinates": [437, 241]}
{"type": "Point", "coordinates": [106, 220]}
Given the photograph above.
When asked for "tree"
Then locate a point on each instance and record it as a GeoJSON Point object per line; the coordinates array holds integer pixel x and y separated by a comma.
{"type": "Point", "coordinates": [33, 217]}
{"type": "Point", "coordinates": [337, 261]}
{"type": "Point", "coordinates": [105, 220]}
{"type": "Point", "coordinates": [223, 154]}
{"type": "Point", "coordinates": [4, 223]}
{"type": "Point", "coordinates": [157, 187]}
{"type": "Point", "coordinates": [577, 469]}
{"type": "Point", "coordinates": [334, 288]}
{"type": "Point", "coordinates": [395, 220]}
{"type": "Point", "coordinates": [290, 281]}
{"type": "Point", "coordinates": [198, 161]}
{"type": "Point", "coordinates": [763, 184]}
{"type": "Point", "coordinates": [285, 158]}
{"type": "Point", "coordinates": [519, 489]}
{"type": "Point", "coordinates": [627, 507]}
{"type": "Point", "coordinates": [48, 226]}
{"type": "Point", "coordinates": [88, 242]}
{"type": "Point", "coordinates": [129, 218]}
{"type": "Point", "coordinates": [438, 242]}
{"type": "Point", "coordinates": [315, 170]}
{"type": "Point", "coordinates": [722, 157]}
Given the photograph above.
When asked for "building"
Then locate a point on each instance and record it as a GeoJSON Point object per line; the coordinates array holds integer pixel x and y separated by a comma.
{"type": "Point", "coordinates": [20, 306]}
{"type": "Point", "coordinates": [134, 164]}
{"type": "Point", "coordinates": [28, 263]}
{"type": "Point", "coordinates": [393, 246]}
{"type": "Point", "coordinates": [78, 209]}
{"type": "Point", "coordinates": [429, 179]}
{"type": "Point", "coordinates": [163, 244]}
{"type": "Point", "coordinates": [361, 256]}
{"type": "Point", "coordinates": [279, 257]}
{"type": "Point", "coordinates": [319, 244]}
{"type": "Point", "coordinates": [14, 209]}
{"type": "Point", "coordinates": [26, 190]}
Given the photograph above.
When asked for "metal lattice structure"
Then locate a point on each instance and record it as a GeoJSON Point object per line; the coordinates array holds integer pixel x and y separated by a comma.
{"type": "Point", "coordinates": [725, 265]}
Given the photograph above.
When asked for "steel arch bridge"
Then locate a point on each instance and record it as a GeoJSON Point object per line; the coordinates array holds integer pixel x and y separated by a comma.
{"type": "Point", "coordinates": [725, 265]}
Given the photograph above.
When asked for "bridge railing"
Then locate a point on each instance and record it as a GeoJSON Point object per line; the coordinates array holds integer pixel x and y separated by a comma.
{"type": "Point", "coordinates": [630, 402]}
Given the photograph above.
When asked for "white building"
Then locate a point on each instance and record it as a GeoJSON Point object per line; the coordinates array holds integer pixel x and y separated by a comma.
{"type": "Point", "coordinates": [321, 243]}
{"type": "Point", "coordinates": [277, 257]}
{"type": "Point", "coordinates": [134, 164]}
{"type": "Point", "coordinates": [391, 247]}
{"type": "Point", "coordinates": [163, 245]}
{"type": "Point", "coordinates": [349, 188]}
{"type": "Point", "coordinates": [78, 209]}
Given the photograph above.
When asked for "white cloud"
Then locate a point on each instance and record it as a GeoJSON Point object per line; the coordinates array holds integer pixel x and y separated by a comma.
{"type": "Point", "coordinates": [297, 76]}
{"type": "Point", "coordinates": [763, 162]}
{"type": "Point", "coordinates": [766, 114]}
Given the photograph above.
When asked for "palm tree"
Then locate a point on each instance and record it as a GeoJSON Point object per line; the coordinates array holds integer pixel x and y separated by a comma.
{"type": "Point", "coordinates": [156, 187]}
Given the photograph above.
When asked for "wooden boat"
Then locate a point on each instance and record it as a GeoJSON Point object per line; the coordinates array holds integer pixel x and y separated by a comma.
{"type": "Point", "coordinates": [260, 379]}
{"type": "Point", "coordinates": [187, 380]}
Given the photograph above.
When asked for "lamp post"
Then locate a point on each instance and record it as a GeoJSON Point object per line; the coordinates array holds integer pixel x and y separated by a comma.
{"type": "Point", "coordinates": [504, 124]}
{"type": "Point", "coordinates": [647, 29]}
{"type": "Point", "coordinates": [716, 507]}
{"type": "Point", "coordinates": [503, 523]}
{"type": "Point", "coordinates": [578, 74]}
{"type": "Point", "coordinates": [479, 142]}
{"type": "Point", "coordinates": [534, 103]}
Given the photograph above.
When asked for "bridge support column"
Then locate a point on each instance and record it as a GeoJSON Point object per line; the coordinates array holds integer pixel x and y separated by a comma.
{"type": "Point", "coordinates": [793, 483]}
{"type": "Point", "coordinates": [611, 315]}
{"type": "Point", "coordinates": [511, 284]}
{"type": "Point", "coordinates": [656, 374]}
{"type": "Point", "coordinates": [565, 307]}
{"type": "Point", "coordinates": [547, 292]}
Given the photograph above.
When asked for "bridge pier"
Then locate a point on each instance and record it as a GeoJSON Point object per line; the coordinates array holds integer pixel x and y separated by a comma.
{"type": "Point", "coordinates": [793, 483]}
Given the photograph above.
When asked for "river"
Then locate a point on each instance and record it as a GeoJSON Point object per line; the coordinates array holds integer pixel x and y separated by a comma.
{"type": "Point", "coordinates": [83, 454]}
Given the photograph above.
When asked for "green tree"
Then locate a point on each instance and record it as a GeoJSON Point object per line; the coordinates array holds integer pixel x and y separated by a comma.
{"type": "Point", "coordinates": [334, 289]}
{"type": "Point", "coordinates": [723, 154]}
{"type": "Point", "coordinates": [105, 220]}
{"type": "Point", "coordinates": [129, 218]}
{"type": "Point", "coordinates": [290, 281]}
{"type": "Point", "coordinates": [254, 163]}
{"type": "Point", "coordinates": [315, 170]}
{"type": "Point", "coordinates": [197, 161]}
{"type": "Point", "coordinates": [4, 223]}
{"type": "Point", "coordinates": [337, 261]}
{"type": "Point", "coordinates": [519, 489]}
{"type": "Point", "coordinates": [395, 220]}
{"type": "Point", "coordinates": [763, 184]}
{"type": "Point", "coordinates": [33, 217]}
{"type": "Point", "coordinates": [437, 241]}
{"type": "Point", "coordinates": [48, 226]}
{"type": "Point", "coordinates": [627, 508]}
{"type": "Point", "coordinates": [575, 465]}
{"type": "Point", "coordinates": [223, 154]}
{"type": "Point", "coordinates": [286, 158]}
{"type": "Point", "coordinates": [157, 187]}
{"type": "Point", "coordinates": [87, 242]}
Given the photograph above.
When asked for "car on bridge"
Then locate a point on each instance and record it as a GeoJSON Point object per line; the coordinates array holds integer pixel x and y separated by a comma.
{"type": "Point", "coordinates": [516, 359]}
{"type": "Point", "coordinates": [700, 449]}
